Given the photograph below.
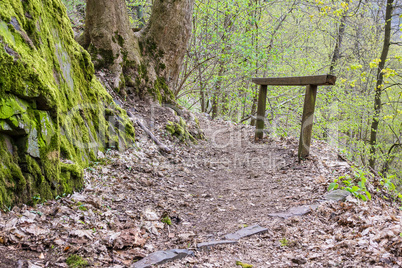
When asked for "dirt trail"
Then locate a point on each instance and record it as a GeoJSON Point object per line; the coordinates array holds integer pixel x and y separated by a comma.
{"type": "Point", "coordinates": [234, 181]}
{"type": "Point", "coordinates": [216, 187]}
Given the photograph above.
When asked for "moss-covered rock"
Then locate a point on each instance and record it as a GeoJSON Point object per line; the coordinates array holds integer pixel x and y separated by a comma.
{"type": "Point", "coordinates": [54, 114]}
{"type": "Point", "coordinates": [180, 130]}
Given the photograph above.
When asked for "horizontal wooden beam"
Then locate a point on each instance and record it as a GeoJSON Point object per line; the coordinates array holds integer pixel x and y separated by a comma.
{"type": "Point", "coordinates": [316, 80]}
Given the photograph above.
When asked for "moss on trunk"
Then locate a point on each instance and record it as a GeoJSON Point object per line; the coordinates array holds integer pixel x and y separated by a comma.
{"type": "Point", "coordinates": [146, 62]}
{"type": "Point", "coordinates": [54, 114]}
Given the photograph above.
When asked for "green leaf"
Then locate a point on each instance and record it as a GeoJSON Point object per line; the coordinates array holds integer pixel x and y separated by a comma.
{"type": "Point", "coordinates": [355, 188]}
{"type": "Point", "coordinates": [332, 186]}
{"type": "Point", "coordinates": [362, 197]}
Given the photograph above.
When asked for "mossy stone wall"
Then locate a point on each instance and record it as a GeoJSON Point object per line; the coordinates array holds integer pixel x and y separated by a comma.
{"type": "Point", "coordinates": [53, 117]}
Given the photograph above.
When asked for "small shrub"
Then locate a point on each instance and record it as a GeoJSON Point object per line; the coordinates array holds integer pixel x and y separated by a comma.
{"type": "Point", "coordinates": [167, 220]}
{"type": "Point", "coordinates": [349, 184]}
{"type": "Point", "coordinates": [284, 242]}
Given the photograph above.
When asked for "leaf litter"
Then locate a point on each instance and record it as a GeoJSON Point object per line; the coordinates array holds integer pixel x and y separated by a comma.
{"type": "Point", "coordinates": [207, 191]}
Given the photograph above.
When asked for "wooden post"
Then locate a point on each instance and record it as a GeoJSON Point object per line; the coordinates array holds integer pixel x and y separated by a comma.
{"type": "Point", "coordinates": [307, 122]}
{"type": "Point", "coordinates": [262, 102]}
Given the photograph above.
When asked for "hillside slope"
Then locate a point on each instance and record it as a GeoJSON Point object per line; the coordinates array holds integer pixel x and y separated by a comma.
{"type": "Point", "coordinates": [142, 201]}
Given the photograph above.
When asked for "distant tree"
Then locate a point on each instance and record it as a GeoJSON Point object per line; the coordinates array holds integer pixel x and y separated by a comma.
{"type": "Point", "coordinates": [380, 83]}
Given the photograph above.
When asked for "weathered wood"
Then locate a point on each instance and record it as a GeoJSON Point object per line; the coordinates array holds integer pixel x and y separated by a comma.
{"type": "Point", "coordinates": [307, 121]}
{"type": "Point", "coordinates": [317, 80]}
{"type": "Point", "coordinates": [312, 82]}
{"type": "Point", "coordinates": [161, 146]}
{"type": "Point", "coordinates": [262, 101]}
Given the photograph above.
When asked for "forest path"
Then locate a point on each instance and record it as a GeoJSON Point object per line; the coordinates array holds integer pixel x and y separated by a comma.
{"type": "Point", "coordinates": [234, 181]}
{"type": "Point", "coordinates": [207, 190]}
{"type": "Point", "coordinates": [230, 182]}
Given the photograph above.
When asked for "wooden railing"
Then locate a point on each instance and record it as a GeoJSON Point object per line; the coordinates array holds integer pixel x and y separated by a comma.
{"type": "Point", "coordinates": [311, 83]}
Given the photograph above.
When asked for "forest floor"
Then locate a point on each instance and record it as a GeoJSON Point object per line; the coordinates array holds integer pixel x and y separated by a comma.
{"type": "Point", "coordinates": [204, 191]}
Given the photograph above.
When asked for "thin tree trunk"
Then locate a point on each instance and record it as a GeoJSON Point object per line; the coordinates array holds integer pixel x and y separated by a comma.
{"type": "Point", "coordinates": [254, 107]}
{"type": "Point", "coordinates": [218, 85]}
{"type": "Point", "coordinates": [379, 84]}
{"type": "Point", "coordinates": [390, 158]}
{"type": "Point", "coordinates": [202, 91]}
{"type": "Point", "coordinates": [270, 46]}
{"type": "Point", "coordinates": [334, 61]}
{"type": "Point", "coordinates": [254, 42]}
{"type": "Point", "coordinates": [217, 93]}
{"type": "Point", "coordinates": [338, 45]}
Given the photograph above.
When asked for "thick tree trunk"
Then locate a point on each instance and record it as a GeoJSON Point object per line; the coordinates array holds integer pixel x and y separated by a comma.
{"type": "Point", "coordinates": [379, 84]}
{"type": "Point", "coordinates": [169, 30]}
{"type": "Point", "coordinates": [108, 37]}
{"type": "Point", "coordinates": [149, 61]}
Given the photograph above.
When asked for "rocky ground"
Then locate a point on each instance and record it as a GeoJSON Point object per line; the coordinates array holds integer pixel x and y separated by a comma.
{"type": "Point", "coordinates": [142, 200]}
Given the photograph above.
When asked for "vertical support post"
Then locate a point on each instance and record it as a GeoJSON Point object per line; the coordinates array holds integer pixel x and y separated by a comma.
{"type": "Point", "coordinates": [262, 102]}
{"type": "Point", "coordinates": [307, 121]}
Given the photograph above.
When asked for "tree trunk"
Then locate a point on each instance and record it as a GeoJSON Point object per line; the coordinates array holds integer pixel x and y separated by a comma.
{"type": "Point", "coordinates": [254, 107]}
{"type": "Point", "coordinates": [217, 93]}
{"type": "Point", "coordinates": [379, 84]}
{"type": "Point", "coordinates": [338, 45]}
{"type": "Point", "coordinates": [148, 61]}
{"type": "Point", "coordinates": [202, 91]}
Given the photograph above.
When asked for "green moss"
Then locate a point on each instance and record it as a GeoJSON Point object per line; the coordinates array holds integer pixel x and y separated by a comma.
{"type": "Point", "coordinates": [11, 177]}
{"type": "Point", "coordinates": [76, 261]}
{"type": "Point", "coordinates": [158, 88]}
{"type": "Point", "coordinates": [162, 66]}
{"type": "Point", "coordinates": [161, 91]}
{"type": "Point", "coordinates": [105, 58]}
{"type": "Point", "coordinates": [167, 220]}
{"type": "Point", "coordinates": [243, 265]}
{"type": "Point", "coordinates": [129, 129]}
{"type": "Point", "coordinates": [179, 130]}
{"type": "Point", "coordinates": [51, 104]}
{"type": "Point", "coordinates": [9, 107]}
{"type": "Point", "coordinates": [120, 40]}
{"type": "Point", "coordinates": [141, 45]}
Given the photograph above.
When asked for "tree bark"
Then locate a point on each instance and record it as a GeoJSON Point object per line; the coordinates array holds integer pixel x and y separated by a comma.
{"type": "Point", "coordinates": [169, 28]}
{"type": "Point", "coordinates": [338, 45]}
{"type": "Point", "coordinates": [379, 84]}
{"type": "Point", "coordinates": [108, 37]}
{"type": "Point", "coordinates": [217, 93]}
{"type": "Point", "coordinates": [148, 61]}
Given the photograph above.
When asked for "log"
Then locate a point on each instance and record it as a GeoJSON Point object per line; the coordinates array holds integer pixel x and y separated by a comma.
{"type": "Point", "coordinates": [161, 146]}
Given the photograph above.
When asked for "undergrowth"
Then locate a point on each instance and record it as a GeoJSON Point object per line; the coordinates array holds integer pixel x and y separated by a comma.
{"type": "Point", "coordinates": [357, 183]}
